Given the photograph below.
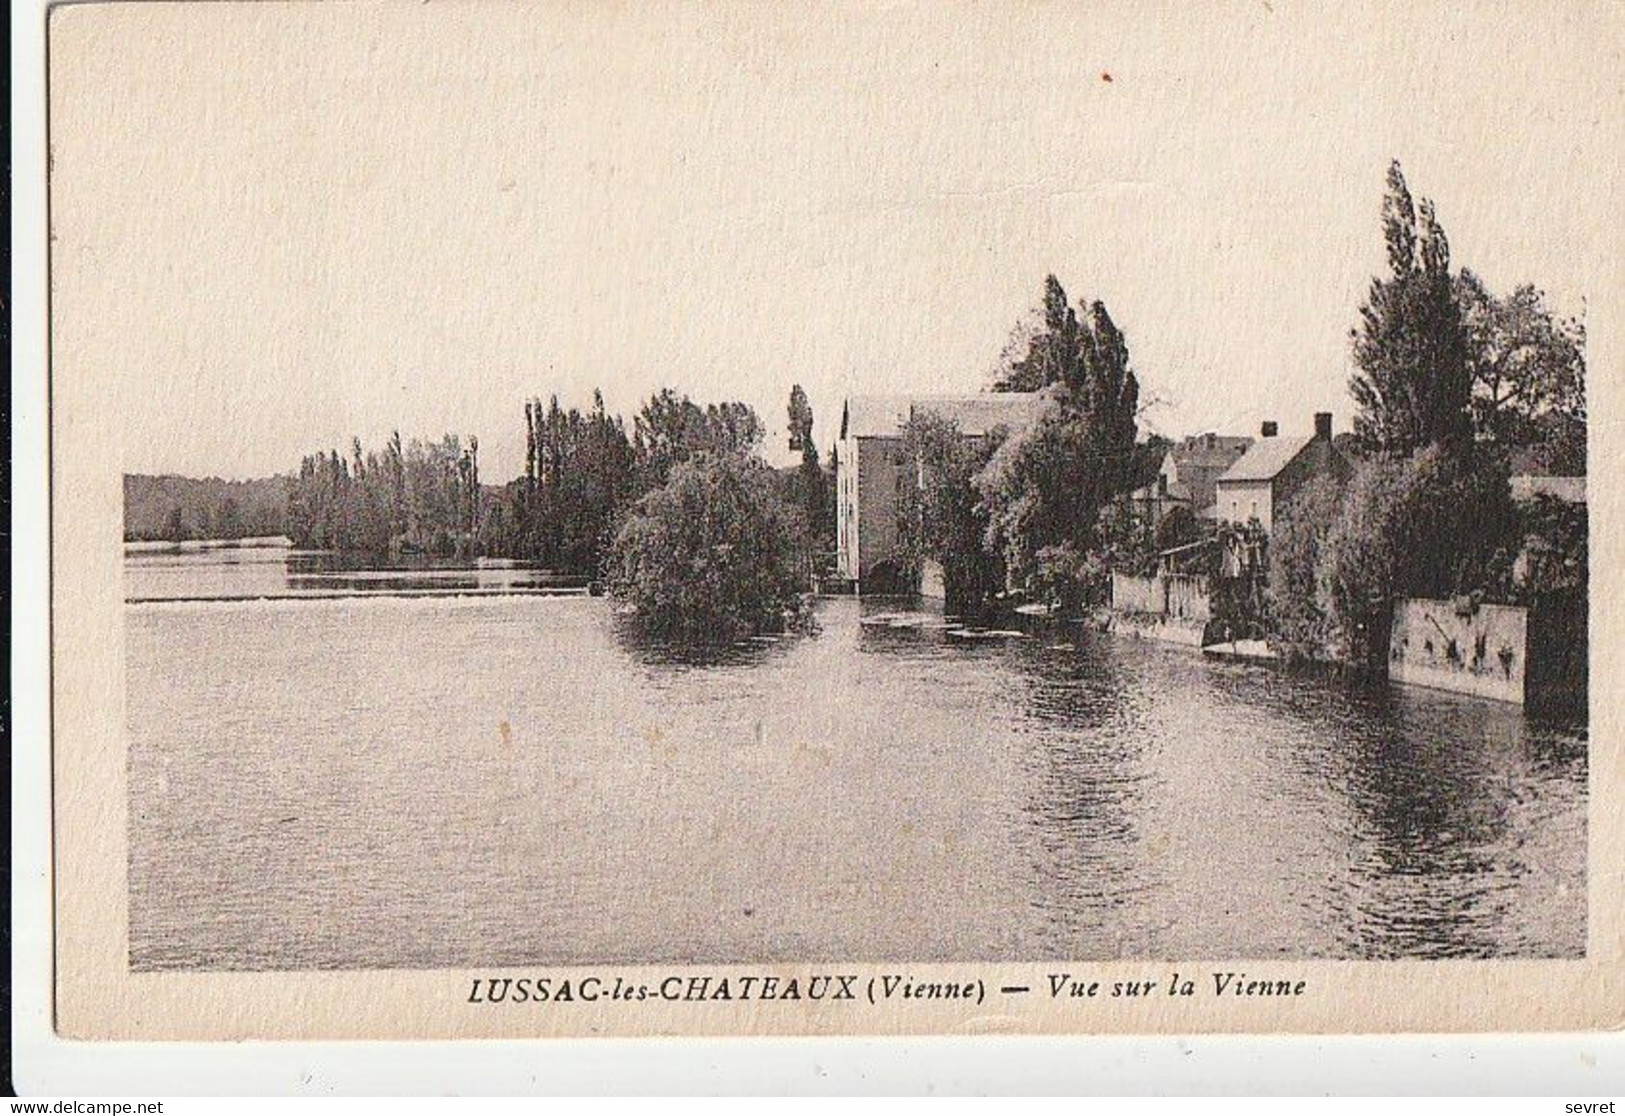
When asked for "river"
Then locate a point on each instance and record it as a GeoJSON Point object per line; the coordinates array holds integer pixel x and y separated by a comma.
{"type": "Point", "coordinates": [431, 768]}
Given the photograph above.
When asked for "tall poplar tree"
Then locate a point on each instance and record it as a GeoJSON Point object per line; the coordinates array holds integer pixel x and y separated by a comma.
{"type": "Point", "coordinates": [812, 490]}
{"type": "Point", "coordinates": [1414, 383]}
{"type": "Point", "coordinates": [1052, 348]}
{"type": "Point", "coordinates": [1044, 488]}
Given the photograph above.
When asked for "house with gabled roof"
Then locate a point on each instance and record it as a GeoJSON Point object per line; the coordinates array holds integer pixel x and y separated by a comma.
{"type": "Point", "coordinates": [1275, 468]}
{"type": "Point", "coordinates": [1189, 471]}
{"type": "Point", "coordinates": [873, 470]}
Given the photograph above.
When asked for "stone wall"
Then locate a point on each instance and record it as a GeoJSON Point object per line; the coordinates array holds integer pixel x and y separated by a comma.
{"type": "Point", "coordinates": [1172, 608]}
{"type": "Point", "coordinates": [1187, 597]}
{"type": "Point", "coordinates": [1481, 651]}
{"type": "Point", "coordinates": [1163, 629]}
{"type": "Point", "coordinates": [1180, 596]}
{"type": "Point", "coordinates": [1139, 594]}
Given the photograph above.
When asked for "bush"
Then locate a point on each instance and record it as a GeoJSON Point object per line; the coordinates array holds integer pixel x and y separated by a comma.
{"type": "Point", "coordinates": [1299, 622]}
{"type": "Point", "coordinates": [1555, 559]}
{"type": "Point", "coordinates": [1069, 581]}
{"type": "Point", "coordinates": [940, 518]}
{"type": "Point", "coordinates": [1364, 556]}
{"type": "Point", "coordinates": [1430, 525]}
{"type": "Point", "coordinates": [713, 554]}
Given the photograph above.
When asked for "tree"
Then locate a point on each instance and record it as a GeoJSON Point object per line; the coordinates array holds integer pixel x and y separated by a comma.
{"type": "Point", "coordinates": [1051, 348]}
{"type": "Point", "coordinates": [1126, 542]}
{"type": "Point", "coordinates": [711, 555]}
{"type": "Point", "coordinates": [812, 492]}
{"type": "Point", "coordinates": [1556, 557]}
{"type": "Point", "coordinates": [941, 518]}
{"type": "Point", "coordinates": [228, 522]}
{"type": "Point", "coordinates": [1430, 525]}
{"type": "Point", "coordinates": [1363, 567]}
{"type": "Point", "coordinates": [1413, 384]}
{"type": "Point", "coordinates": [1045, 487]}
{"type": "Point", "coordinates": [209, 507]}
{"type": "Point", "coordinates": [426, 497]}
{"type": "Point", "coordinates": [1528, 371]}
{"type": "Point", "coordinates": [828, 522]}
{"type": "Point", "coordinates": [672, 428]}
{"type": "Point", "coordinates": [1299, 617]}
{"type": "Point", "coordinates": [501, 530]}
{"type": "Point", "coordinates": [1177, 527]}
{"type": "Point", "coordinates": [442, 495]}
{"type": "Point", "coordinates": [1109, 393]}
{"type": "Point", "coordinates": [175, 527]}
{"type": "Point", "coordinates": [801, 422]}
{"type": "Point", "coordinates": [578, 476]}
{"type": "Point", "coordinates": [1148, 458]}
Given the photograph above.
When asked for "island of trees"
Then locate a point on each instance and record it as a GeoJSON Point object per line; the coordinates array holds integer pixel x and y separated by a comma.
{"type": "Point", "coordinates": [677, 513]}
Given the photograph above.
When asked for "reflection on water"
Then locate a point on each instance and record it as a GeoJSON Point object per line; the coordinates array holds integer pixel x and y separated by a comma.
{"type": "Point", "coordinates": [270, 568]}
{"type": "Point", "coordinates": [496, 781]}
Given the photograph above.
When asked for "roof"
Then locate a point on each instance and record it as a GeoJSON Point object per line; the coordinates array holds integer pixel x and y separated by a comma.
{"type": "Point", "coordinates": [1209, 450]}
{"type": "Point", "coordinates": [883, 416]}
{"type": "Point", "coordinates": [1266, 457]}
{"type": "Point", "coordinates": [870, 416]}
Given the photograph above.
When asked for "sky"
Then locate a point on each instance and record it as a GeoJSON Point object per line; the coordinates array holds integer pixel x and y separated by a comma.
{"type": "Point", "coordinates": [278, 227]}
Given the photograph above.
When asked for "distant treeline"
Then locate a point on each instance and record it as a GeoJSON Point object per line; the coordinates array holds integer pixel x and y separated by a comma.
{"type": "Point", "coordinates": [178, 509]}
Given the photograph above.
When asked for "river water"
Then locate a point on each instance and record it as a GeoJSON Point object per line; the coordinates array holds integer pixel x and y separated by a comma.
{"type": "Point", "coordinates": [365, 779]}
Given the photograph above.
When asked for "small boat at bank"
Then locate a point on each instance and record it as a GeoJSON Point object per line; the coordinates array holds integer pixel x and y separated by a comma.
{"type": "Point", "coordinates": [1044, 610]}
{"type": "Point", "coordinates": [890, 620]}
{"type": "Point", "coordinates": [1254, 650]}
{"type": "Point", "coordinates": [986, 633]}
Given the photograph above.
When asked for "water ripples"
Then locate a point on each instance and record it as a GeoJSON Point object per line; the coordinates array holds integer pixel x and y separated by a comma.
{"type": "Point", "coordinates": [438, 782]}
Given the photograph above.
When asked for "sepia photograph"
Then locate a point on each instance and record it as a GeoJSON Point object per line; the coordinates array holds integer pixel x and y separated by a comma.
{"type": "Point", "coordinates": [735, 505]}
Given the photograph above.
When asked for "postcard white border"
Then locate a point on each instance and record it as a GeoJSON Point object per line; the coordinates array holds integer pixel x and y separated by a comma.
{"type": "Point", "coordinates": [46, 1064]}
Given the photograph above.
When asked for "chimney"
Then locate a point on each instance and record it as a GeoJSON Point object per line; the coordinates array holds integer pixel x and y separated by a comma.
{"type": "Point", "coordinates": [1269, 430]}
{"type": "Point", "coordinates": [1323, 425]}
